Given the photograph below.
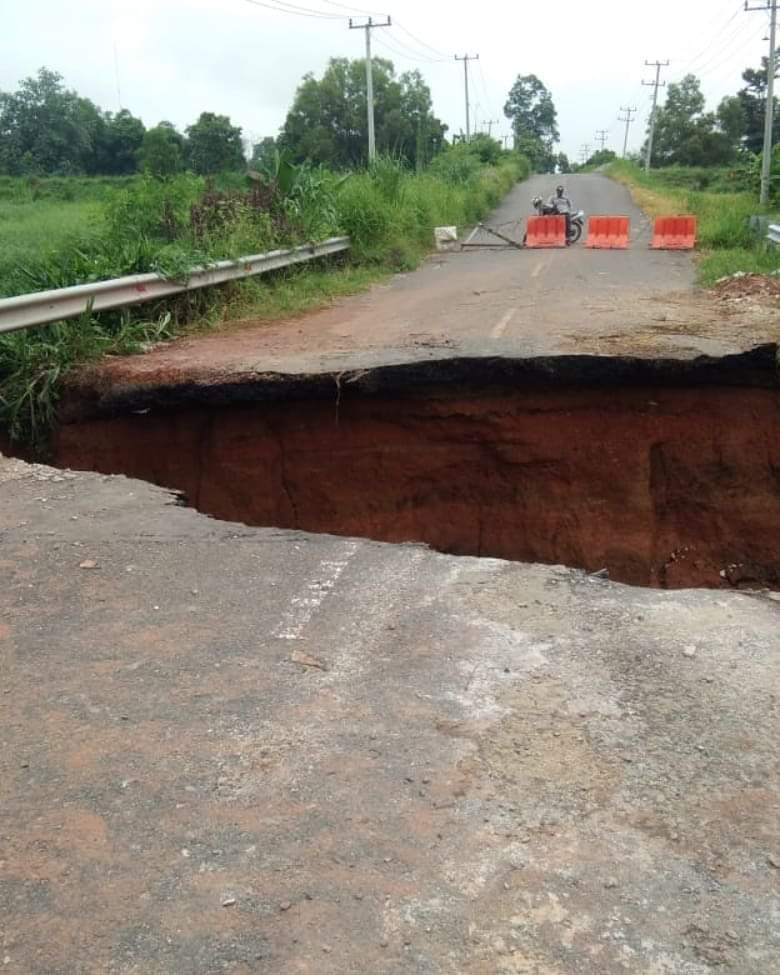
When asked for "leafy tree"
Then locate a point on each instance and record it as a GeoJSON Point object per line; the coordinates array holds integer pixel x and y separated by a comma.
{"type": "Point", "coordinates": [419, 134]}
{"type": "Point", "coordinates": [732, 120]}
{"type": "Point", "coordinates": [163, 150]}
{"type": "Point", "coordinates": [753, 100]}
{"type": "Point", "coordinates": [686, 135]}
{"type": "Point", "coordinates": [541, 157]}
{"type": "Point", "coordinates": [215, 145]}
{"type": "Point", "coordinates": [45, 128]}
{"type": "Point", "coordinates": [487, 149]}
{"type": "Point", "coordinates": [602, 157]}
{"type": "Point", "coordinates": [327, 122]}
{"type": "Point", "coordinates": [263, 153]}
{"type": "Point", "coordinates": [562, 163]}
{"type": "Point", "coordinates": [531, 109]}
{"type": "Point", "coordinates": [118, 139]}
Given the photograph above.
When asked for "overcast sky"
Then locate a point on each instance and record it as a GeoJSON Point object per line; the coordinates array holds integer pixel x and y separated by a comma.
{"type": "Point", "coordinates": [177, 58]}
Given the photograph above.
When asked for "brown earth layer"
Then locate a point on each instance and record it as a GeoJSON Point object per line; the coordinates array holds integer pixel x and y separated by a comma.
{"type": "Point", "coordinates": [667, 487]}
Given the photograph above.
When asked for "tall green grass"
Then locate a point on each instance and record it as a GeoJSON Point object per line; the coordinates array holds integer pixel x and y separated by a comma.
{"type": "Point", "coordinates": [30, 231]}
{"type": "Point", "coordinates": [725, 239]}
{"type": "Point", "coordinates": [390, 213]}
{"type": "Point", "coordinates": [141, 224]}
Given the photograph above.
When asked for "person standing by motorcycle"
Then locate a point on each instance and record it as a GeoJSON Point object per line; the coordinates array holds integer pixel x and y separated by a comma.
{"type": "Point", "coordinates": [561, 204]}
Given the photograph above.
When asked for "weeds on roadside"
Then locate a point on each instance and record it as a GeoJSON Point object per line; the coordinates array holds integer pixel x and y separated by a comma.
{"type": "Point", "coordinates": [725, 239]}
{"type": "Point", "coordinates": [169, 226]}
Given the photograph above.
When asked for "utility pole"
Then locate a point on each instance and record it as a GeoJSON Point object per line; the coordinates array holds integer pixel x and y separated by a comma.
{"type": "Point", "coordinates": [490, 123]}
{"type": "Point", "coordinates": [601, 136]}
{"type": "Point", "coordinates": [585, 154]}
{"type": "Point", "coordinates": [368, 27]}
{"type": "Point", "coordinates": [628, 120]}
{"type": "Point", "coordinates": [465, 59]}
{"type": "Point", "coordinates": [769, 112]}
{"type": "Point", "coordinates": [655, 85]}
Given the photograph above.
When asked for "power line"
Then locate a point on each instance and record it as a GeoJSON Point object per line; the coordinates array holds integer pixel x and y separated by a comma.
{"type": "Point", "coordinates": [708, 47]}
{"type": "Point", "coordinates": [310, 12]}
{"type": "Point", "coordinates": [465, 59]}
{"type": "Point", "coordinates": [716, 69]}
{"type": "Point", "coordinates": [417, 54]}
{"type": "Point", "coordinates": [289, 8]}
{"type": "Point", "coordinates": [417, 40]}
{"type": "Point", "coordinates": [354, 10]}
{"type": "Point", "coordinates": [738, 35]}
{"type": "Point", "coordinates": [655, 85]}
{"type": "Point", "coordinates": [601, 136]}
{"type": "Point", "coordinates": [399, 52]}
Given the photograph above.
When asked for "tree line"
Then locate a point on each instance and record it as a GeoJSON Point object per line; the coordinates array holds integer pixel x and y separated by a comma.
{"type": "Point", "coordinates": [686, 134]}
{"type": "Point", "coordinates": [47, 129]}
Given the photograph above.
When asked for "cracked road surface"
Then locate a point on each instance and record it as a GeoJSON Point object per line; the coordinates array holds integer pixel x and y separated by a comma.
{"type": "Point", "coordinates": [252, 751]}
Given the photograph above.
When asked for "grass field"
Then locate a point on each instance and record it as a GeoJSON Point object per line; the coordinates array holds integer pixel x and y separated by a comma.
{"type": "Point", "coordinates": [726, 242]}
{"type": "Point", "coordinates": [29, 232]}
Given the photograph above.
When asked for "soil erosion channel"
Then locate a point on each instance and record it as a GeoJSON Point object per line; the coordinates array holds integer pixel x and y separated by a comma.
{"type": "Point", "coordinates": [664, 472]}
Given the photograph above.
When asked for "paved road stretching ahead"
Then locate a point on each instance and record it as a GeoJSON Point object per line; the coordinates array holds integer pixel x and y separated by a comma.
{"type": "Point", "coordinates": [480, 302]}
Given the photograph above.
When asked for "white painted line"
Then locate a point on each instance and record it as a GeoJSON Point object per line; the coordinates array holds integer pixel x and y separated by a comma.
{"type": "Point", "coordinates": [305, 605]}
{"type": "Point", "coordinates": [498, 330]}
{"type": "Point", "coordinates": [537, 270]}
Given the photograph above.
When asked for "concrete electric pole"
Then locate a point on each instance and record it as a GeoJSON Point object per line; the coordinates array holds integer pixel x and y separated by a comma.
{"type": "Point", "coordinates": [627, 118]}
{"type": "Point", "coordinates": [769, 112]}
{"type": "Point", "coordinates": [655, 85]}
{"type": "Point", "coordinates": [368, 27]}
{"type": "Point", "coordinates": [601, 136]}
{"type": "Point", "coordinates": [465, 59]}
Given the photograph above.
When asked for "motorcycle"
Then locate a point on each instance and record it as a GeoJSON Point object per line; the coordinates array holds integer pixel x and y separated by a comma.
{"type": "Point", "coordinates": [575, 223]}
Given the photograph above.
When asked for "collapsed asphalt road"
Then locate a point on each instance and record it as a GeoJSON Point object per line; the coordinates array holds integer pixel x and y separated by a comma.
{"type": "Point", "coordinates": [242, 750]}
{"type": "Point", "coordinates": [252, 750]}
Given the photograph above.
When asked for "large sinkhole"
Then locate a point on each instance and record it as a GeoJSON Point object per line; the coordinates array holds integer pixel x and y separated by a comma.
{"type": "Point", "coordinates": [664, 473]}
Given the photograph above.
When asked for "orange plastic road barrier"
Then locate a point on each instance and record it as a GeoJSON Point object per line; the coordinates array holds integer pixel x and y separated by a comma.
{"type": "Point", "coordinates": [608, 232]}
{"type": "Point", "coordinates": [674, 233]}
{"type": "Point", "coordinates": [546, 232]}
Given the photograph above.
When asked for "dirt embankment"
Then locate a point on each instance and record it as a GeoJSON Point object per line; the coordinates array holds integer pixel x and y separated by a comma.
{"type": "Point", "coordinates": [672, 483]}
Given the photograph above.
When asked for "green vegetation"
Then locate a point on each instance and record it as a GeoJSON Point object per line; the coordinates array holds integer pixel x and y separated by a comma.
{"type": "Point", "coordinates": [726, 242]}
{"type": "Point", "coordinates": [327, 120]}
{"type": "Point", "coordinates": [534, 120]}
{"type": "Point", "coordinates": [169, 225]}
{"type": "Point", "coordinates": [29, 229]}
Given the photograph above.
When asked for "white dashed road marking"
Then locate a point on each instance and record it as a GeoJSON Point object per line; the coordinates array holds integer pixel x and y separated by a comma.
{"type": "Point", "coordinates": [498, 330]}
{"type": "Point", "coordinates": [305, 604]}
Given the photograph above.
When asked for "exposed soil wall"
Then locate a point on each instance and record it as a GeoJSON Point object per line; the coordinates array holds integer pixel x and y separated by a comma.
{"type": "Point", "coordinates": [663, 486]}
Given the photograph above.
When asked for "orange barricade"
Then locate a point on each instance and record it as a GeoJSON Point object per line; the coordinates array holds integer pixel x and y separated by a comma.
{"type": "Point", "coordinates": [674, 233]}
{"type": "Point", "coordinates": [608, 232]}
{"type": "Point", "coordinates": [546, 232]}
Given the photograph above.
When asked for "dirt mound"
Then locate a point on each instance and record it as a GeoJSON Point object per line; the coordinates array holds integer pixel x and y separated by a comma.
{"type": "Point", "coordinates": [743, 285]}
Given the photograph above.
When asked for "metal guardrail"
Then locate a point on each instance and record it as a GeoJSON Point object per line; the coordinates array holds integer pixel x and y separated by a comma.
{"type": "Point", "coordinates": [41, 307]}
{"type": "Point", "coordinates": [773, 235]}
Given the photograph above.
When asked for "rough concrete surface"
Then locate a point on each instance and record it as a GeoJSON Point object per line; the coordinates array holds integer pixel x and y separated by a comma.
{"type": "Point", "coordinates": [244, 750]}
